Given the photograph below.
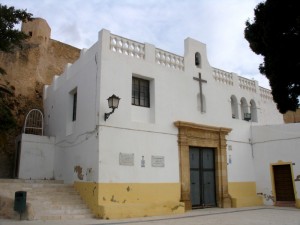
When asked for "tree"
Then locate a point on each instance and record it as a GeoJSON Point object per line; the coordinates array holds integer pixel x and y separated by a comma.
{"type": "Point", "coordinates": [275, 34]}
{"type": "Point", "coordinates": [9, 35]}
{"type": "Point", "coordinates": [9, 38]}
{"type": "Point", "coordinates": [7, 120]}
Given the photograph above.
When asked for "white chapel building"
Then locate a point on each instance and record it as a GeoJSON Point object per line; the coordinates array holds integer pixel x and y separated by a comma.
{"type": "Point", "coordinates": [184, 135]}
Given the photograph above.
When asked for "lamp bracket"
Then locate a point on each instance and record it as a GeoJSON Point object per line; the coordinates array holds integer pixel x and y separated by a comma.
{"type": "Point", "coordinates": [106, 115]}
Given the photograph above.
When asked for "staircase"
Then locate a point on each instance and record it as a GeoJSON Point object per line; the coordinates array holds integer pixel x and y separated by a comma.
{"type": "Point", "coordinates": [46, 200]}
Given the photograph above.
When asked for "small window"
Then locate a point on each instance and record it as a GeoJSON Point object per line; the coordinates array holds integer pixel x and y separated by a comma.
{"type": "Point", "coordinates": [30, 33]}
{"type": "Point", "coordinates": [140, 92]}
{"type": "Point", "coordinates": [74, 106]}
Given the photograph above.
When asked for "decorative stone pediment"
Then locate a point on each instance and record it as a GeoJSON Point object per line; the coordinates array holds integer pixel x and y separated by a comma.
{"type": "Point", "coordinates": [197, 135]}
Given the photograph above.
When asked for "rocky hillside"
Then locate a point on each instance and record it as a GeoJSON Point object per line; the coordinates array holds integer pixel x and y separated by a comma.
{"type": "Point", "coordinates": [28, 68]}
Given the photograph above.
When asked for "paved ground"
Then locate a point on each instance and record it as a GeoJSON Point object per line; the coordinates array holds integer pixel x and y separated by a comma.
{"type": "Point", "coordinates": [216, 216]}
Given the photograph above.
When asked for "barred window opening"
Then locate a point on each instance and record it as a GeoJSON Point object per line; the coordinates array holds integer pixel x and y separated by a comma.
{"type": "Point", "coordinates": [140, 92]}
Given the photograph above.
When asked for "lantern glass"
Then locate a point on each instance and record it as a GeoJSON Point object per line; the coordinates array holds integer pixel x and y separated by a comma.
{"type": "Point", "coordinates": [113, 101]}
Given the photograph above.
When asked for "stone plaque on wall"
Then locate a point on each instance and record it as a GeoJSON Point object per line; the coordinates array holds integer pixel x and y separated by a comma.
{"type": "Point", "coordinates": [158, 161]}
{"type": "Point", "coordinates": [126, 159]}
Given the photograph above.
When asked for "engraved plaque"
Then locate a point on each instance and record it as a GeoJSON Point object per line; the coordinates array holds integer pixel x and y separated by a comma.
{"type": "Point", "coordinates": [126, 159]}
{"type": "Point", "coordinates": [158, 161]}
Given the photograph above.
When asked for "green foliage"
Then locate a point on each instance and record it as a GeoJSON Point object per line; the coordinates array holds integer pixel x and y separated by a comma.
{"type": "Point", "coordinates": [275, 34]}
{"type": "Point", "coordinates": [9, 36]}
{"type": "Point", "coordinates": [7, 120]}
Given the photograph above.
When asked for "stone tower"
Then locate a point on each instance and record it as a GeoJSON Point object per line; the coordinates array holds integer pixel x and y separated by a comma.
{"type": "Point", "coordinates": [28, 68]}
{"type": "Point", "coordinates": [38, 30]}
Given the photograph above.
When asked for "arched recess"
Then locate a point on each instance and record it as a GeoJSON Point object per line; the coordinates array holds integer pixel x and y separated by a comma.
{"type": "Point", "coordinates": [253, 111]}
{"type": "Point", "coordinates": [244, 108]}
{"type": "Point", "coordinates": [197, 135]}
{"type": "Point", "coordinates": [234, 107]}
{"type": "Point", "coordinates": [34, 122]}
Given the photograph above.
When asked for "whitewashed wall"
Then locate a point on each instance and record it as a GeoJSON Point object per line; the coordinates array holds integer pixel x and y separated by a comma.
{"type": "Point", "coordinates": [107, 68]}
{"type": "Point", "coordinates": [76, 143]}
{"type": "Point", "coordinates": [36, 157]}
{"type": "Point", "coordinates": [174, 96]}
{"type": "Point", "coordinates": [275, 143]}
{"type": "Point", "coordinates": [143, 145]}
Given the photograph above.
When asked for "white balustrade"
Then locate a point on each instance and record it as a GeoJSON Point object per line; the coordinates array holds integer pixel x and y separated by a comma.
{"type": "Point", "coordinates": [169, 59]}
{"type": "Point", "coordinates": [223, 76]}
{"type": "Point", "coordinates": [127, 47]}
{"type": "Point", "coordinates": [247, 84]}
{"type": "Point", "coordinates": [265, 93]}
{"type": "Point", "coordinates": [135, 49]}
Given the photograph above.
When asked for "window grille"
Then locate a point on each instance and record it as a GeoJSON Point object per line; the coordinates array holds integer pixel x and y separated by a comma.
{"type": "Point", "coordinates": [140, 92]}
{"type": "Point", "coordinates": [34, 122]}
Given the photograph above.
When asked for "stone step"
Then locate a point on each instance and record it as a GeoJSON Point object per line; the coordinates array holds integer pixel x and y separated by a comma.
{"type": "Point", "coordinates": [33, 196]}
{"type": "Point", "coordinates": [54, 198]}
{"type": "Point", "coordinates": [53, 193]}
{"type": "Point", "coordinates": [66, 207]}
{"type": "Point", "coordinates": [66, 211]}
{"type": "Point", "coordinates": [41, 188]}
{"type": "Point", "coordinates": [49, 200]}
{"type": "Point", "coordinates": [61, 208]}
{"type": "Point", "coordinates": [31, 181]}
{"type": "Point", "coordinates": [57, 194]}
{"type": "Point", "coordinates": [64, 217]}
{"type": "Point", "coordinates": [59, 202]}
{"type": "Point", "coordinates": [37, 194]}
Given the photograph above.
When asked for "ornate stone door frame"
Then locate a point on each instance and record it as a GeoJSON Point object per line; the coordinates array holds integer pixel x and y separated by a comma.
{"type": "Point", "coordinates": [197, 135]}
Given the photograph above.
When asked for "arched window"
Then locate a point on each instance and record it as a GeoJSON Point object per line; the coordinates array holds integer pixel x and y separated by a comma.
{"type": "Point", "coordinates": [244, 109]}
{"type": "Point", "coordinates": [253, 111]}
{"type": "Point", "coordinates": [198, 59]}
{"type": "Point", "coordinates": [234, 107]}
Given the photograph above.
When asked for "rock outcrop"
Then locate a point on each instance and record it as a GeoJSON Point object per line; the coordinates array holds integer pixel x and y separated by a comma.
{"type": "Point", "coordinates": [28, 68]}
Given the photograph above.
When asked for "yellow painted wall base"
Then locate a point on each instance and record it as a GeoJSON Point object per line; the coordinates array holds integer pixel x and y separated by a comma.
{"type": "Point", "coordinates": [89, 193]}
{"type": "Point", "coordinates": [131, 210]}
{"type": "Point", "coordinates": [297, 203]}
{"type": "Point", "coordinates": [243, 194]}
{"type": "Point", "coordinates": [125, 200]}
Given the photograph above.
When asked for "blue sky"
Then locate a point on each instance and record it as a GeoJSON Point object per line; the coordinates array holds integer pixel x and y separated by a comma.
{"type": "Point", "coordinates": [164, 23]}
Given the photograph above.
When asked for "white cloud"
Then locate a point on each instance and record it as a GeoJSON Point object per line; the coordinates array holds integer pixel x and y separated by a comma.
{"type": "Point", "coordinates": [217, 23]}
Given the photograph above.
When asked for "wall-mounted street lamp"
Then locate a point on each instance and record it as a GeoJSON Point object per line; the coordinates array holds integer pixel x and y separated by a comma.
{"type": "Point", "coordinates": [113, 102]}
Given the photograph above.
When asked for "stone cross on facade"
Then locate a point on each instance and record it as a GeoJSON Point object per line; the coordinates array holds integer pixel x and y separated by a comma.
{"type": "Point", "coordinates": [200, 80]}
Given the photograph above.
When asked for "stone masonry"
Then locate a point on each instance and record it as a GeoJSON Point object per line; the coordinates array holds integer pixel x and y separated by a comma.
{"type": "Point", "coordinates": [28, 68]}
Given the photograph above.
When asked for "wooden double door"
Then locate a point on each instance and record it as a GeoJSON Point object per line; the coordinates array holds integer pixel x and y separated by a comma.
{"type": "Point", "coordinates": [283, 181]}
{"type": "Point", "coordinates": [202, 177]}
